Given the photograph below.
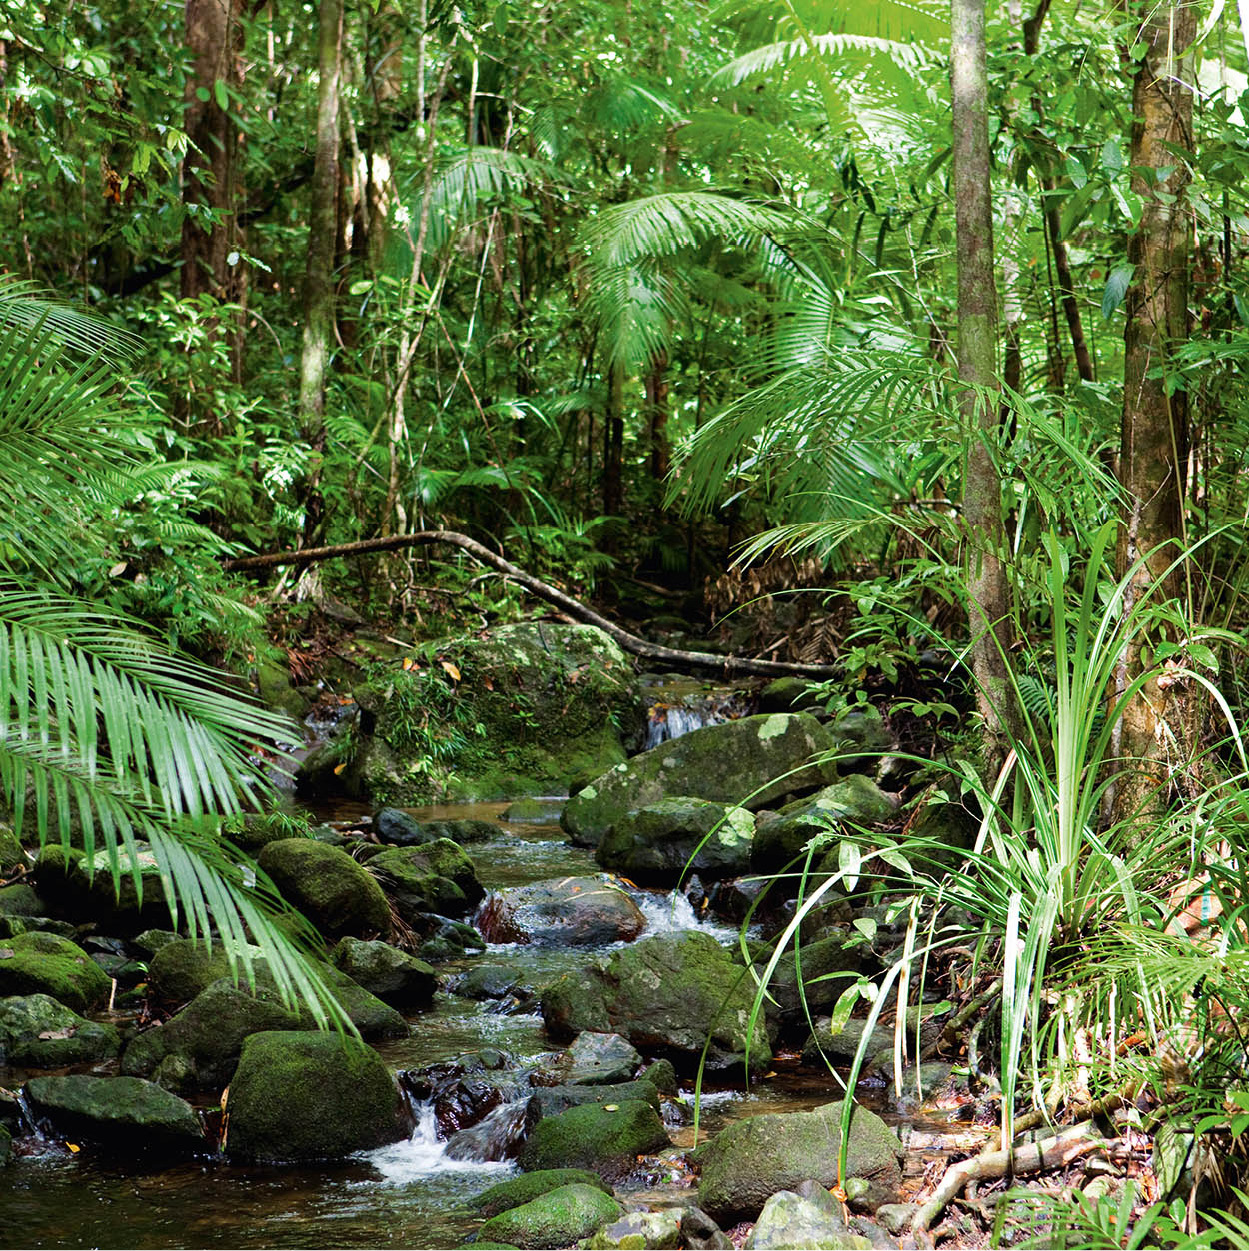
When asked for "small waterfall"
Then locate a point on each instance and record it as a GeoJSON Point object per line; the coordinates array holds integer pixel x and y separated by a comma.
{"type": "Point", "coordinates": [678, 714]}
{"type": "Point", "coordinates": [673, 913]}
{"type": "Point", "coordinates": [424, 1153]}
{"type": "Point", "coordinates": [497, 1136]}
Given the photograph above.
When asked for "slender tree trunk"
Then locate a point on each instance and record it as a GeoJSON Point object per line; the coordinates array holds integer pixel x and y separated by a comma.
{"type": "Point", "coordinates": [988, 591]}
{"type": "Point", "coordinates": [1154, 446]}
{"type": "Point", "coordinates": [613, 442]}
{"type": "Point", "coordinates": [657, 404]}
{"type": "Point", "coordinates": [319, 294]}
{"type": "Point", "coordinates": [1066, 284]}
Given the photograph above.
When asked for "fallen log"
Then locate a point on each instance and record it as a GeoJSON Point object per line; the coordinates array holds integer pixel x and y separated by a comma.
{"type": "Point", "coordinates": [678, 658]}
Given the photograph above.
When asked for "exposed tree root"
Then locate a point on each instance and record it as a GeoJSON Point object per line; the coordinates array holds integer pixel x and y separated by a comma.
{"type": "Point", "coordinates": [1032, 1157]}
{"type": "Point", "coordinates": [630, 642]}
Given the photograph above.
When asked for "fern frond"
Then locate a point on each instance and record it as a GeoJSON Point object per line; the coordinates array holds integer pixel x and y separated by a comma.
{"type": "Point", "coordinates": [884, 56]}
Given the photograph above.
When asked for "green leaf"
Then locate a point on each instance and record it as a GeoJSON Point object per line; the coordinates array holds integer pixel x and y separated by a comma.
{"type": "Point", "coordinates": [1112, 157]}
{"type": "Point", "coordinates": [221, 95]}
{"type": "Point", "coordinates": [1116, 289]}
{"type": "Point", "coordinates": [203, 95]}
{"type": "Point", "coordinates": [1075, 171]}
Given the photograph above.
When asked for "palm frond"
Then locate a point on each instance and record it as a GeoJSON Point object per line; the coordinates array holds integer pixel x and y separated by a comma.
{"type": "Point", "coordinates": [472, 177]}
{"type": "Point", "coordinates": [636, 308]}
{"type": "Point", "coordinates": [890, 58]}
{"type": "Point", "coordinates": [26, 306]}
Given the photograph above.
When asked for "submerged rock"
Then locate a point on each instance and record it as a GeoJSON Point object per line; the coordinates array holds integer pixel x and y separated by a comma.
{"type": "Point", "coordinates": [45, 964]}
{"type": "Point", "coordinates": [606, 1138]}
{"type": "Point", "coordinates": [40, 1033]}
{"type": "Point", "coordinates": [751, 762]}
{"type": "Point", "coordinates": [666, 995]}
{"type": "Point", "coordinates": [572, 911]}
{"type": "Point", "coordinates": [558, 1218]}
{"type": "Point", "coordinates": [660, 842]}
{"type": "Point", "coordinates": [743, 1165]}
{"type": "Point", "coordinates": [336, 893]}
{"type": "Point", "coordinates": [310, 1096]}
{"type": "Point", "coordinates": [123, 1112]}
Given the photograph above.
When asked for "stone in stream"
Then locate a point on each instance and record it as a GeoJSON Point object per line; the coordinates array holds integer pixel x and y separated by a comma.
{"type": "Point", "coordinates": [38, 1032]}
{"type": "Point", "coordinates": [665, 994]}
{"type": "Point", "coordinates": [856, 800]}
{"type": "Point", "coordinates": [123, 1112]}
{"type": "Point", "coordinates": [660, 842]}
{"type": "Point", "coordinates": [552, 1100]}
{"type": "Point", "coordinates": [310, 1096]}
{"type": "Point", "coordinates": [700, 1233]}
{"type": "Point", "coordinates": [658, 1231]}
{"type": "Point", "coordinates": [743, 1165]}
{"type": "Point", "coordinates": [45, 964]}
{"type": "Point", "coordinates": [20, 900]}
{"type": "Point", "coordinates": [751, 762]}
{"type": "Point", "coordinates": [558, 1218]}
{"type": "Point", "coordinates": [336, 893]}
{"type": "Point", "coordinates": [398, 828]}
{"type": "Point", "coordinates": [828, 966]}
{"type": "Point", "coordinates": [811, 1220]}
{"type": "Point", "coordinates": [606, 1138]}
{"type": "Point", "coordinates": [595, 1059]}
{"type": "Point", "coordinates": [392, 975]}
{"type": "Point", "coordinates": [529, 1186]}
{"type": "Point", "coordinates": [534, 809]}
{"type": "Point", "coordinates": [437, 877]}
{"type": "Point", "coordinates": [571, 911]}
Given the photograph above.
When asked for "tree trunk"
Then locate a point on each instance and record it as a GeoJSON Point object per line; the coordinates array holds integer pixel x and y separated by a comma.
{"type": "Point", "coordinates": [657, 404]}
{"type": "Point", "coordinates": [1153, 448]}
{"type": "Point", "coordinates": [613, 442]}
{"type": "Point", "coordinates": [988, 592]}
{"type": "Point", "coordinates": [319, 295]}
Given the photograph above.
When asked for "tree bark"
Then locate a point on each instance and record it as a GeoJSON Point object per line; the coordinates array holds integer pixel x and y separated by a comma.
{"type": "Point", "coordinates": [988, 591]}
{"type": "Point", "coordinates": [613, 442]}
{"type": "Point", "coordinates": [657, 404]}
{"type": "Point", "coordinates": [319, 293]}
{"type": "Point", "coordinates": [1153, 449]}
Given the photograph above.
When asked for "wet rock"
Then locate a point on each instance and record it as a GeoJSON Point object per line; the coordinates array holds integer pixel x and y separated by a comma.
{"type": "Point", "coordinates": [40, 1033]}
{"type": "Point", "coordinates": [755, 1158]}
{"type": "Point", "coordinates": [123, 1112]}
{"type": "Point", "coordinates": [812, 1221]}
{"type": "Point", "coordinates": [660, 842]}
{"type": "Point", "coordinates": [558, 1218]}
{"type": "Point", "coordinates": [199, 1048]}
{"type": "Point", "coordinates": [499, 1135]}
{"type": "Point", "coordinates": [661, 1075]}
{"type": "Point", "coordinates": [493, 981]}
{"type": "Point", "coordinates": [701, 1233]}
{"type": "Point", "coordinates": [310, 1096]}
{"type": "Point", "coordinates": [789, 695]}
{"type": "Point", "coordinates": [751, 762]}
{"type": "Point", "coordinates": [856, 800]}
{"type": "Point", "coordinates": [828, 966]}
{"type": "Point", "coordinates": [392, 975]}
{"type": "Point", "coordinates": [400, 829]}
{"type": "Point", "coordinates": [656, 1231]}
{"type": "Point", "coordinates": [665, 994]}
{"type": "Point", "coordinates": [337, 894]}
{"type": "Point", "coordinates": [45, 964]}
{"type": "Point", "coordinates": [529, 1186]}
{"type": "Point", "coordinates": [437, 877]}
{"type": "Point", "coordinates": [552, 1100]}
{"type": "Point", "coordinates": [595, 1059]}
{"type": "Point", "coordinates": [842, 1047]}
{"type": "Point", "coordinates": [446, 939]}
{"type": "Point", "coordinates": [605, 1138]}
{"type": "Point", "coordinates": [147, 943]}
{"type": "Point", "coordinates": [571, 911]}
{"type": "Point", "coordinates": [535, 811]}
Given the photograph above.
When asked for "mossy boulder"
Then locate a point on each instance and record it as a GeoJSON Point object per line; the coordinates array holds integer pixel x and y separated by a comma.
{"type": "Point", "coordinates": [861, 736]}
{"type": "Point", "coordinates": [639, 1231]}
{"type": "Point", "coordinates": [743, 1165]}
{"type": "Point", "coordinates": [125, 1112]}
{"type": "Point", "coordinates": [855, 800]}
{"type": "Point", "coordinates": [46, 964]}
{"type": "Point", "coordinates": [437, 877]}
{"type": "Point", "coordinates": [605, 1138]}
{"type": "Point", "coordinates": [529, 1186]}
{"type": "Point", "coordinates": [20, 900]}
{"type": "Point", "coordinates": [38, 1032]}
{"type": "Point", "coordinates": [533, 704]}
{"type": "Point", "coordinates": [660, 842]}
{"type": "Point", "coordinates": [558, 1218]}
{"type": "Point", "coordinates": [12, 852]}
{"type": "Point", "coordinates": [751, 762]}
{"type": "Point", "coordinates": [569, 911]}
{"type": "Point", "coordinates": [310, 1096]}
{"type": "Point", "coordinates": [552, 1100]}
{"type": "Point", "coordinates": [665, 994]}
{"type": "Point", "coordinates": [198, 1049]}
{"type": "Point", "coordinates": [336, 893]}
{"type": "Point", "coordinates": [400, 829]}
{"type": "Point", "coordinates": [395, 977]}
{"type": "Point", "coordinates": [181, 969]}
{"type": "Point", "coordinates": [828, 967]}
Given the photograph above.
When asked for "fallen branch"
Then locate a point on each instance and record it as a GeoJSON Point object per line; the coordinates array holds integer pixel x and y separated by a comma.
{"type": "Point", "coordinates": [543, 590]}
{"type": "Point", "coordinates": [1032, 1157]}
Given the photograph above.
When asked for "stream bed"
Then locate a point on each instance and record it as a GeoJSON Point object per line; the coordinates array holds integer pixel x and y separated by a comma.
{"type": "Point", "coordinates": [408, 1194]}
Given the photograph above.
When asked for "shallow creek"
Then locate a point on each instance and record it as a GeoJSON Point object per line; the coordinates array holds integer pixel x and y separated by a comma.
{"type": "Point", "coordinates": [409, 1194]}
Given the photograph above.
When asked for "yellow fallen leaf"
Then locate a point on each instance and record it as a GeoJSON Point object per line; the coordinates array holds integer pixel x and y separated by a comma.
{"type": "Point", "coordinates": [452, 671]}
{"type": "Point", "coordinates": [408, 663]}
{"type": "Point", "coordinates": [74, 1147]}
{"type": "Point", "coordinates": [611, 1107]}
{"type": "Point", "coordinates": [338, 768]}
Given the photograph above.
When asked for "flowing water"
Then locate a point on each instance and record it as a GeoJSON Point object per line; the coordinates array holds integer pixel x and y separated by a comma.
{"type": "Point", "coordinates": [409, 1194]}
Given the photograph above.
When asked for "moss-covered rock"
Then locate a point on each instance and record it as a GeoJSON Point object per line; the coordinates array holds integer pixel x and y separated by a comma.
{"type": "Point", "coordinates": [529, 1186]}
{"type": "Point", "coordinates": [310, 1096]}
{"type": "Point", "coordinates": [336, 893]}
{"type": "Point", "coordinates": [665, 994]}
{"type": "Point", "coordinates": [20, 900]}
{"type": "Point", "coordinates": [828, 966]}
{"type": "Point", "coordinates": [45, 964]}
{"type": "Point", "coordinates": [751, 762]}
{"type": "Point", "coordinates": [395, 977]}
{"type": "Point", "coordinates": [570, 911]}
{"type": "Point", "coordinates": [812, 1220]}
{"type": "Point", "coordinates": [861, 736]}
{"type": "Point", "coordinates": [555, 1219]}
{"type": "Point", "coordinates": [639, 1231]}
{"type": "Point", "coordinates": [40, 1033]}
{"type": "Point", "coordinates": [533, 703]}
{"type": "Point", "coordinates": [12, 853]}
{"type": "Point", "coordinates": [595, 1059]}
{"type": "Point", "coordinates": [125, 1112]}
{"type": "Point", "coordinates": [755, 1158]}
{"type": "Point", "coordinates": [437, 877]}
{"type": "Point", "coordinates": [552, 1100]}
{"type": "Point", "coordinates": [183, 968]}
{"type": "Point", "coordinates": [855, 800]}
{"type": "Point", "coordinates": [401, 829]}
{"type": "Point", "coordinates": [605, 1138]}
{"type": "Point", "coordinates": [661, 841]}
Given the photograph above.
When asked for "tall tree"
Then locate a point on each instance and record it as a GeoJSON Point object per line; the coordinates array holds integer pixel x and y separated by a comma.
{"type": "Point", "coordinates": [1154, 445]}
{"type": "Point", "coordinates": [319, 289]}
{"type": "Point", "coordinates": [988, 591]}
